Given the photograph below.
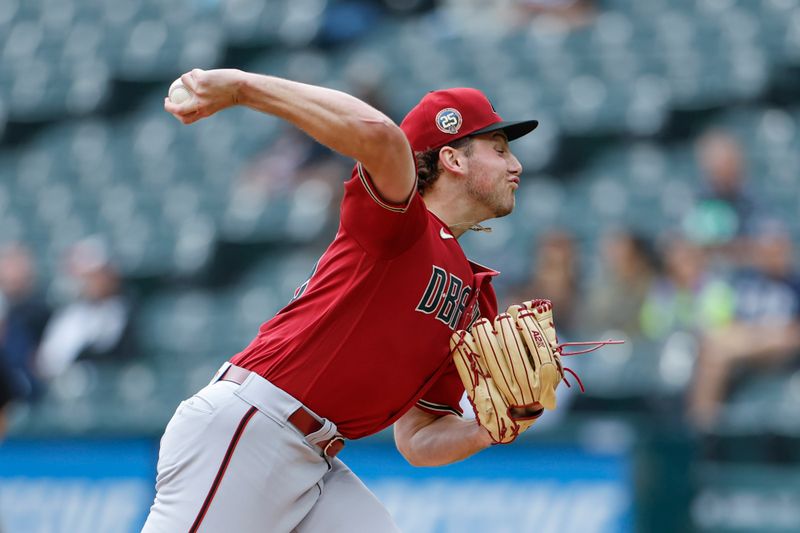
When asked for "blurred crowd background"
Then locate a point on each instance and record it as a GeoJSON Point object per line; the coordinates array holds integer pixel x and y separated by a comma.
{"type": "Point", "coordinates": [659, 204]}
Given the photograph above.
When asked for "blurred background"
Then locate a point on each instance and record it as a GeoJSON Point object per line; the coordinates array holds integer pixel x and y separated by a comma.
{"type": "Point", "coordinates": [659, 204]}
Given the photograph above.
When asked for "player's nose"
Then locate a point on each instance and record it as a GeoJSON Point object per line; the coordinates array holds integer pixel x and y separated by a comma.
{"type": "Point", "coordinates": [514, 166]}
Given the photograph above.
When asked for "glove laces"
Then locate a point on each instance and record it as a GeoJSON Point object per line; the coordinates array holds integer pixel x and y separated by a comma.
{"type": "Point", "coordinates": [596, 345]}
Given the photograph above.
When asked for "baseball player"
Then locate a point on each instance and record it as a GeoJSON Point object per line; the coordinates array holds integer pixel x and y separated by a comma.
{"type": "Point", "coordinates": [364, 343]}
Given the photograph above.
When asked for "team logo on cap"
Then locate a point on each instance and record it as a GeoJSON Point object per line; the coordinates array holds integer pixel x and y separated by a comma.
{"type": "Point", "coordinates": [448, 120]}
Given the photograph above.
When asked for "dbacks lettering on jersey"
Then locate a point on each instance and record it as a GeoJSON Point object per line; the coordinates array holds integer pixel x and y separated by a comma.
{"type": "Point", "coordinates": [447, 294]}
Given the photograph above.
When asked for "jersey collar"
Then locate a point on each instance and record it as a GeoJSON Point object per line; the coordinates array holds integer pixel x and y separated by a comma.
{"type": "Point", "coordinates": [477, 268]}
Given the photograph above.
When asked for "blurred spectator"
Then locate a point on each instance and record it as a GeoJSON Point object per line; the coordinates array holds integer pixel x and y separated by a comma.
{"type": "Point", "coordinates": [554, 275]}
{"type": "Point", "coordinates": [295, 159]}
{"type": "Point", "coordinates": [23, 316]}
{"type": "Point", "coordinates": [560, 15]}
{"type": "Point", "coordinates": [292, 158]}
{"type": "Point", "coordinates": [616, 295]}
{"type": "Point", "coordinates": [765, 329]}
{"type": "Point", "coordinates": [347, 21]}
{"type": "Point", "coordinates": [724, 212]}
{"type": "Point", "coordinates": [97, 325]}
{"type": "Point", "coordinates": [686, 297]}
{"type": "Point", "coordinates": [573, 13]}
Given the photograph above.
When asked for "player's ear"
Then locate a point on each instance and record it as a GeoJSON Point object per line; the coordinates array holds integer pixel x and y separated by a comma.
{"type": "Point", "coordinates": [452, 160]}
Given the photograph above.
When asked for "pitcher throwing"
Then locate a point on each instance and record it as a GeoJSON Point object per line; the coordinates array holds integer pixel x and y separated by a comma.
{"type": "Point", "coordinates": [366, 341]}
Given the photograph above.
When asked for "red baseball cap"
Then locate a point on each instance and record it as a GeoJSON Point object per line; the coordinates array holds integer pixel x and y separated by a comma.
{"type": "Point", "coordinates": [444, 116]}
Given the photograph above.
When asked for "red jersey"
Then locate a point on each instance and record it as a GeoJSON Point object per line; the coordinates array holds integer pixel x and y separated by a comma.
{"type": "Point", "coordinates": [367, 336]}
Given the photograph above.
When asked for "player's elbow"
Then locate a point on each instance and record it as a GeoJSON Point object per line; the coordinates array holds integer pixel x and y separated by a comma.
{"type": "Point", "coordinates": [403, 444]}
{"type": "Point", "coordinates": [413, 438]}
{"type": "Point", "coordinates": [389, 134]}
{"type": "Point", "coordinates": [407, 442]}
{"type": "Point", "coordinates": [381, 137]}
{"type": "Point", "coordinates": [412, 456]}
{"type": "Point", "coordinates": [417, 450]}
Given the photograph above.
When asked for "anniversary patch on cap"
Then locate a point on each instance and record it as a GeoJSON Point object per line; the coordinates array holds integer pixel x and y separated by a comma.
{"type": "Point", "coordinates": [449, 120]}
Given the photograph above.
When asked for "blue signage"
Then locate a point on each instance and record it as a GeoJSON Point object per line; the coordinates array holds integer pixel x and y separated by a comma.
{"type": "Point", "coordinates": [91, 486]}
{"type": "Point", "coordinates": [106, 486]}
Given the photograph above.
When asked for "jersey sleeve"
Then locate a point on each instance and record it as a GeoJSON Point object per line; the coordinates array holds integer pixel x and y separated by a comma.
{"type": "Point", "coordinates": [444, 396]}
{"type": "Point", "coordinates": [381, 228]}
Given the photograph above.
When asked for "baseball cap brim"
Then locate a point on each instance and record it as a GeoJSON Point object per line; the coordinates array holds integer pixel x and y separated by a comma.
{"type": "Point", "coordinates": [513, 130]}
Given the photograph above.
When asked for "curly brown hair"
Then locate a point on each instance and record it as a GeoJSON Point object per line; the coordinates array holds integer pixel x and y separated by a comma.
{"type": "Point", "coordinates": [428, 169]}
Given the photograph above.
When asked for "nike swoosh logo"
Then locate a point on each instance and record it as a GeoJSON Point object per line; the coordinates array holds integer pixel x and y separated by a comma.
{"type": "Point", "coordinates": [444, 235]}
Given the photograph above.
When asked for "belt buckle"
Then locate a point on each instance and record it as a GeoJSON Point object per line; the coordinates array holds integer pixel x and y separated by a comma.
{"type": "Point", "coordinates": [330, 443]}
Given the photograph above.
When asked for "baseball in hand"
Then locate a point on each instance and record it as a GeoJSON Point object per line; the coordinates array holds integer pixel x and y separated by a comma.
{"type": "Point", "coordinates": [178, 93]}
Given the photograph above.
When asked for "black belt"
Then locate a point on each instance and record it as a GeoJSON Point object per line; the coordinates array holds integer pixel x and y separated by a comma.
{"type": "Point", "coordinates": [301, 419]}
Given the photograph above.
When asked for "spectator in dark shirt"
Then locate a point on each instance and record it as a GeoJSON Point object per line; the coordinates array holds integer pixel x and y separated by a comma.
{"type": "Point", "coordinates": [725, 209]}
{"type": "Point", "coordinates": [23, 316]}
{"type": "Point", "coordinates": [765, 329]}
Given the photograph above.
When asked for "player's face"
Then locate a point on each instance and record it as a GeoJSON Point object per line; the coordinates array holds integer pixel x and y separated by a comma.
{"type": "Point", "coordinates": [493, 174]}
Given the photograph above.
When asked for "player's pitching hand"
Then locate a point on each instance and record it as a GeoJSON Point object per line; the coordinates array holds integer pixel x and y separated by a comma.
{"type": "Point", "coordinates": [210, 91]}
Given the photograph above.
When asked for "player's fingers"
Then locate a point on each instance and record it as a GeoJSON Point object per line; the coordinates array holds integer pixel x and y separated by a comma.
{"type": "Point", "coordinates": [191, 118]}
{"type": "Point", "coordinates": [188, 107]}
{"type": "Point", "coordinates": [185, 117]}
{"type": "Point", "coordinates": [170, 107]}
{"type": "Point", "coordinates": [192, 78]}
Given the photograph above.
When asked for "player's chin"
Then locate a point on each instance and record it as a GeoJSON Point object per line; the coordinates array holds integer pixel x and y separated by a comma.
{"type": "Point", "coordinates": [505, 209]}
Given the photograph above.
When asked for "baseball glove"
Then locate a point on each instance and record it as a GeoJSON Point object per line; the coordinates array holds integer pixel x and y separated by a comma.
{"type": "Point", "coordinates": [510, 367]}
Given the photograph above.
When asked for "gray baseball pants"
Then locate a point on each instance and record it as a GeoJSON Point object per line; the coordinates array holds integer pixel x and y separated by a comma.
{"type": "Point", "coordinates": [230, 461]}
